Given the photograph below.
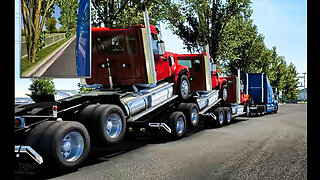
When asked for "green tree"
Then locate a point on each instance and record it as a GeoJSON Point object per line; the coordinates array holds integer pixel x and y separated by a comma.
{"type": "Point", "coordinates": [51, 24]}
{"type": "Point", "coordinates": [125, 13]}
{"type": "Point", "coordinates": [68, 15]}
{"type": "Point", "coordinates": [34, 13]}
{"type": "Point", "coordinates": [201, 22]}
{"type": "Point", "coordinates": [241, 46]}
{"type": "Point", "coordinates": [290, 83]}
{"type": "Point", "coordinates": [41, 86]}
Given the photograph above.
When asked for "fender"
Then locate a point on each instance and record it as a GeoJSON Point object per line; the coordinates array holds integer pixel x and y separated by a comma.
{"type": "Point", "coordinates": [221, 81]}
{"type": "Point", "coordinates": [179, 70]}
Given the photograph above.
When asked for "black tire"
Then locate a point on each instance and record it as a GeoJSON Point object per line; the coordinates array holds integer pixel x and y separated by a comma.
{"type": "Point", "coordinates": [248, 113]}
{"type": "Point", "coordinates": [219, 113]}
{"type": "Point", "coordinates": [191, 112]}
{"type": "Point", "coordinates": [108, 115]}
{"type": "Point", "coordinates": [33, 138]}
{"type": "Point", "coordinates": [55, 151]}
{"type": "Point", "coordinates": [85, 116]}
{"type": "Point", "coordinates": [183, 87]}
{"type": "Point", "coordinates": [265, 110]}
{"type": "Point", "coordinates": [227, 115]}
{"type": "Point", "coordinates": [177, 130]}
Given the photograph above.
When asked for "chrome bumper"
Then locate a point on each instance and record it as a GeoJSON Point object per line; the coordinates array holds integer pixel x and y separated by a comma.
{"type": "Point", "coordinates": [28, 150]}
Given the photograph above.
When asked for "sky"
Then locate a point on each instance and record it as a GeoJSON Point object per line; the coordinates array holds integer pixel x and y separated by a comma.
{"type": "Point", "coordinates": [283, 24]}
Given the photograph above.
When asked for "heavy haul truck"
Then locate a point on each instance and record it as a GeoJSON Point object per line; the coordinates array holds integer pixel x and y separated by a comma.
{"type": "Point", "coordinates": [258, 87]}
{"type": "Point", "coordinates": [142, 88]}
{"type": "Point", "coordinates": [60, 133]}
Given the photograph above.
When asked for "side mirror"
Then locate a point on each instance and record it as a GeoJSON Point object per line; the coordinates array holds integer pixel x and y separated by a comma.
{"type": "Point", "coordinates": [161, 48]}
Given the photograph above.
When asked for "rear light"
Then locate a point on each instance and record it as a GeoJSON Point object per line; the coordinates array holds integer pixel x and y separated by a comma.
{"type": "Point", "coordinates": [54, 111]}
{"type": "Point", "coordinates": [19, 122]}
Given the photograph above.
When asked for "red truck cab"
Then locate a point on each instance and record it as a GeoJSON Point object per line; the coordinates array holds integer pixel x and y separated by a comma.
{"type": "Point", "coordinates": [127, 54]}
{"type": "Point", "coordinates": [204, 74]}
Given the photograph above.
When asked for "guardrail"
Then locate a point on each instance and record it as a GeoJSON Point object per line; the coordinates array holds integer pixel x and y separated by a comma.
{"type": "Point", "coordinates": [47, 42]}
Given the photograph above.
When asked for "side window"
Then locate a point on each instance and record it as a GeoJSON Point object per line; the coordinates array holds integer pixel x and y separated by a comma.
{"type": "Point", "coordinates": [131, 44]}
{"type": "Point", "coordinates": [112, 45]}
{"type": "Point", "coordinates": [185, 63]}
{"type": "Point", "coordinates": [197, 65]}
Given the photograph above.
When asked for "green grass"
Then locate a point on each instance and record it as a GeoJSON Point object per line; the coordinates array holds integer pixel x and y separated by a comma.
{"type": "Point", "coordinates": [26, 66]}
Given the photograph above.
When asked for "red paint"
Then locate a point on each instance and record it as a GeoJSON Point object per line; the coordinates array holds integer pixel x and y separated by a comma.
{"type": "Point", "coordinates": [127, 67]}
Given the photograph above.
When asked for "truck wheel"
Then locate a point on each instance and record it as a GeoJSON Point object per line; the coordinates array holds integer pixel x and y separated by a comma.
{"type": "Point", "coordinates": [109, 123]}
{"type": "Point", "coordinates": [183, 87]}
{"type": "Point", "coordinates": [265, 110]}
{"type": "Point", "coordinates": [220, 116]}
{"type": "Point", "coordinates": [177, 123]}
{"type": "Point", "coordinates": [224, 93]}
{"type": "Point", "coordinates": [191, 112]}
{"type": "Point", "coordinates": [227, 115]}
{"type": "Point", "coordinates": [248, 113]}
{"type": "Point", "coordinates": [85, 116]}
{"type": "Point", "coordinates": [277, 108]}
{"type": "Point", "coordinates": [65, 145]}
{"type": "Point", "coordinates": [33, 139]}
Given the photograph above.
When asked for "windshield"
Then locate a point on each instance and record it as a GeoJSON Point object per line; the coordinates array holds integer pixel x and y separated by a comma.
{"type": "Point", "coordinates": [116, 45]}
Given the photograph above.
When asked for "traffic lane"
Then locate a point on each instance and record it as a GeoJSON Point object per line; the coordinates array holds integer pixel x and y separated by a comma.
{"type": "Point", "coordinates": [65, 65]}
{"type": "Point", "coordinates": [267, 147]}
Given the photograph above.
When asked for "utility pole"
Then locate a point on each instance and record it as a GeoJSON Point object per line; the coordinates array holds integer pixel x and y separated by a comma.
{"type": "Point", "coordinates": [304, 85]}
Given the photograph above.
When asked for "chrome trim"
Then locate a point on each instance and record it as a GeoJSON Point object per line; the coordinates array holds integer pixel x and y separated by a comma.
{"type": "Point", "coordinates": [207, 108]}
{"type": "Point", "coordinates": [136, 117]}
{"type": "Point", "coordinates": [159, 125]}
{"type": "Point", "coordinates": [28, 150]}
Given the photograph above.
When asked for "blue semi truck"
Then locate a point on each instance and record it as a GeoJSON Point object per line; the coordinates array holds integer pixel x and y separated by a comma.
{"type": "Point", "coordinates": [258, 87]}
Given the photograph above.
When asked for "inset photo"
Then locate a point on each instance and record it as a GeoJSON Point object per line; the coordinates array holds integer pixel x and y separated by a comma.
{"type": "Point", "coordinates": [55, 39]}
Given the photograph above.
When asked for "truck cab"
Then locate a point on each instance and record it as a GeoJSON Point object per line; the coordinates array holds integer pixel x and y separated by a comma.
{"type": "Point", "coordinates": [124, 54]}
{"type": "Point", "coordinates": [204, 74]}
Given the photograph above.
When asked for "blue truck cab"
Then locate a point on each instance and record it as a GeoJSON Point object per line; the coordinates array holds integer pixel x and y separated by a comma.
{"type": "Point", "coordinates": [258, 87]}
{"type": "Point", "coordinates": [83, 39]}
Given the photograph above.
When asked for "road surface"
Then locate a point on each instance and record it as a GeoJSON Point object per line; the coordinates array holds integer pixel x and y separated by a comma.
{"type": "Point", "coordinates": [267, 147]}
{"type": "Point", "coordinates": [65, 65]}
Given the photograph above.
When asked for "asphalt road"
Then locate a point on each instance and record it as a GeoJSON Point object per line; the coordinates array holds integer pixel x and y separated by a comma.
{"type": "Point", "coordinates": [267, 147]}
{"type": "Point", "coordinates": [65, 65]}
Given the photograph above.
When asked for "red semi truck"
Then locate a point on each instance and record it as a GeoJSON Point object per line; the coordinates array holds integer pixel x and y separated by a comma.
{"type": "Point", "coordinates": [141, 85]}
{"type": "Point", "coordinates": [127, 54]}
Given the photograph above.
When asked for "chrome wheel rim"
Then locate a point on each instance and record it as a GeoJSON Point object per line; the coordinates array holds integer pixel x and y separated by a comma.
{"type": "Point", "coordinates": [221, 117]}
{"type": "Point", "coordinates": [180, 125]}
{"type": "Point", "coordinates": [113, 125]}
{"type": "Point", "coordinates": [194, 116]}
{"type": "Point", "coordinates": [228, 116]}
{"type": "Point", "coordinates": [72, 146]}
{"type": "Point", "coordinates": [224, 94]}
{"type": "Point", "coordinates": [184, 87]}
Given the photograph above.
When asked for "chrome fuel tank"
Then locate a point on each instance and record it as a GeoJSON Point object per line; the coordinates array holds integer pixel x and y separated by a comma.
{"type": "Point", "coordinates": [137, 102]}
